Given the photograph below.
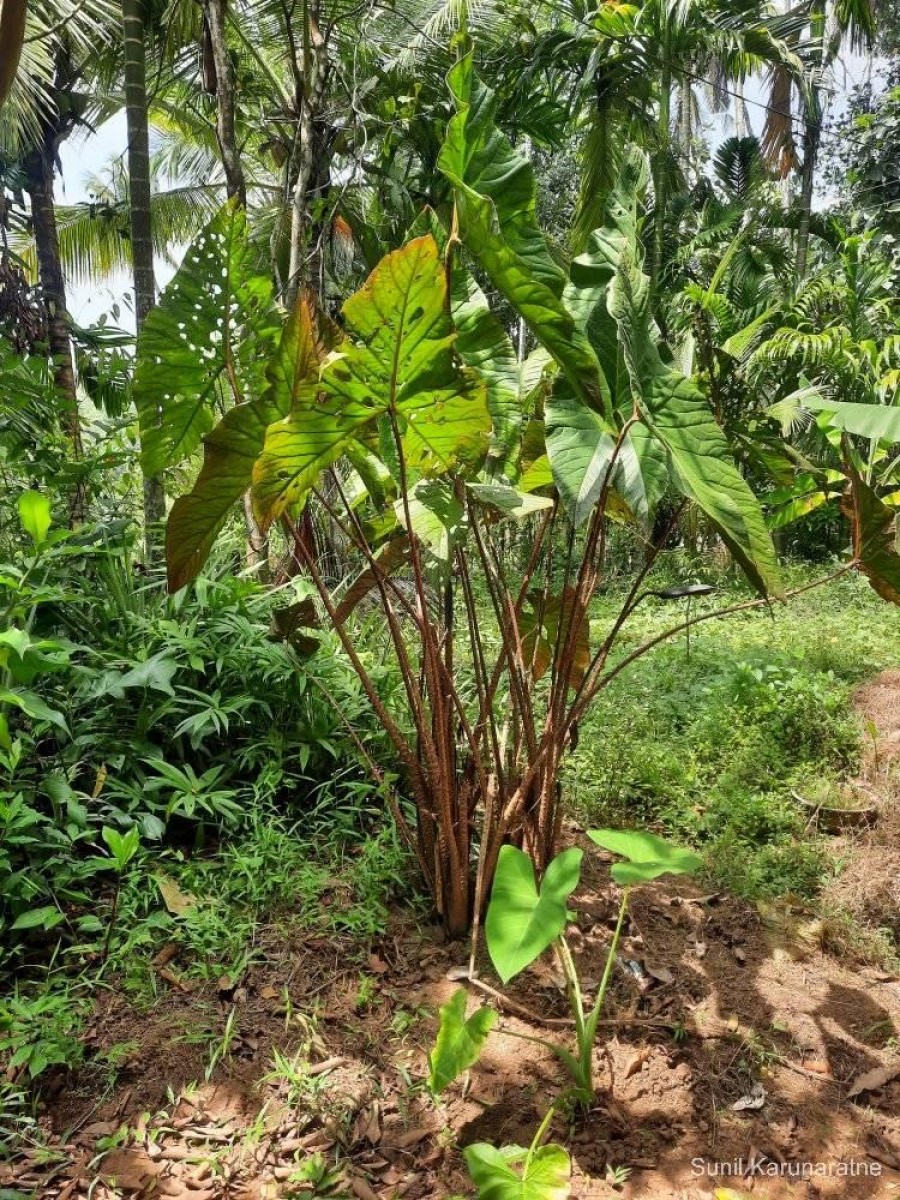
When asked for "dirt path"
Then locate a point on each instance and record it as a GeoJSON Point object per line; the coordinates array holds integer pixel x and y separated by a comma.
{"type": "Point", "coordinates": [740, 1040]}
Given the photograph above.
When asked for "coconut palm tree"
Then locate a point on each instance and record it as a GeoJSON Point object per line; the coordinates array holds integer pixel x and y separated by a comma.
{"type": "Point", "coordinates": [48, 100]}
{"type": "Point", "coordinates": [134, 65]}
{"type": "Point", "coordinates": [828, 26]}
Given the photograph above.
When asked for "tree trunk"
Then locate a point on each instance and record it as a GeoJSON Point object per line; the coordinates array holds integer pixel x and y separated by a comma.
{"type": "Point", "coordinates": [135, 69]}
{"type": "Point", "coordinates": [40, 172]}
{"type": "Point", "coordinates": [812, 127]}
{"type": "Point", "coordinates": [12, 39]}
{"type": "Point", "coordinates": [236, 187]}
{"type": "Point", "coordinates": [807, 180]}
{"type": "Point", "coordinates": [235, 183]}
{"type": "Point", "coordinates": [660, 173]}
{"type": "Point", "coordinates": [309, 101]}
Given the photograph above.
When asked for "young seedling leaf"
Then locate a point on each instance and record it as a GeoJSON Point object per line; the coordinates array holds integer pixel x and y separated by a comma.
{"type": "Point", "coordinates": [523, 921]}
{"type": "Point", "coordinates": [34, 513]}
{"type": "Point", "coordinates": [545, 1173]}
{"type": "Point", "coordinates": [459, 1041]}
{"type": "Point", "coordinates": [39, 918]}
{"type": "Point", "coordinates": [649, 856]}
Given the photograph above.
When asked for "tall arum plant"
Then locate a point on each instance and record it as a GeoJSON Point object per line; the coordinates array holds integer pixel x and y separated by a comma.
{"type": "Point", "coordinates": [424, 439]}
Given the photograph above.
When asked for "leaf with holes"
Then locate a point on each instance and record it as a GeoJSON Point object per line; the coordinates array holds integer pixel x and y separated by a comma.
{"type": "Point", "coordinates": [231, 450]}
{"type": "Point", "coordinates": [483, 344]}
{"type": "Point", "coordinates": [207, 338]}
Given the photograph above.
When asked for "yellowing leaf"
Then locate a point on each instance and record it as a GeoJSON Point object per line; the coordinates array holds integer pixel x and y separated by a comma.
{"type": "Point", "coordinates": [396, 371]}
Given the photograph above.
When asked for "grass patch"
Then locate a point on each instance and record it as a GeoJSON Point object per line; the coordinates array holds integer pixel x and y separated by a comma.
{"type": "Point", "coordinates": [710, 746]}
{"type": "Point", "coordinates": [334, 871]}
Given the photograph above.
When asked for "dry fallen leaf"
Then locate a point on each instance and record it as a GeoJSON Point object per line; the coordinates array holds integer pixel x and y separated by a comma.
{"type": "Point", "coordinates": [660, 974]}
{"type": "Point", "coordinates": [367, 1126]}
{"type": "Point", "coordinates": [870, 1081]}
{"type": "Point", "coordinates": [171, 978]}
{"type": "Point", "coordinates": [98, 1129]}
{"type": "Point", "coordinates": [361, 1189]}
{"type": "Point", "coordinates": [178, 902]}
{"type": "Point", "coordinates": [883, 1154]}
{"type": "Point", "coordinates": [637, 1062]}
{"type": "Point", "coordinates": [403, 1140]}
{"type": "Point", "coordinates": [166, 954]}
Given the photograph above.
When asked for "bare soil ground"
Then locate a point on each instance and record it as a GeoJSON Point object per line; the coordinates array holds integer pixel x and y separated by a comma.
{"type": "Point", "coordinates": [737, 1048]}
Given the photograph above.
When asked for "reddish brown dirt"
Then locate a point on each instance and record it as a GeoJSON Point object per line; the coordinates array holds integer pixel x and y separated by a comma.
{"type": "Point", "coordinates": [731, 998]}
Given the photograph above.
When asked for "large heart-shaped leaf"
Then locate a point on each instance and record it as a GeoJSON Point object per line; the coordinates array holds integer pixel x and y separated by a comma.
{"type": "Point", "coordinates": [436, 517]}
{"type": "Point", "coordinates": [497, 214]}
{"type": "Point", "coordinates": [545, 1172]}
{"type": "Point", "coordinates": [231, 450]}
{"type": "Point", "coordinates": [523, 921]}
{"type": "Point", "coordinates": [672, 407]}
{"type": "Point", "coordinates": [580, 442]}
{"type": "Point", "coordinates": [648, 856]}
{"type": "Point", "coordinates": [459, 1041]}
{"type": "Point", "coordinates": [215, 320]}
{"type": "Point", "coordinates": [482, 343]}
{"type": "Point", "coordinates": [398, 364]}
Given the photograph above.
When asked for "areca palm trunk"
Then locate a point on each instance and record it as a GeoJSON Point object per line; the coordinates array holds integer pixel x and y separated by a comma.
{"type": "Point", "coordinates": [660, 173]}
{"type": "Point", "coordinates": [807, 180]}
{"type": "Point", "coordinates": [812, 116]}
{"type": "Point", "coordinates": [39, 170]}
{"type": "Point", "coordinates": [236, 188]}
{"type": "Point", "coordinates": [226, 135]}
{"type": "Point", "coordinates": [135, 71]}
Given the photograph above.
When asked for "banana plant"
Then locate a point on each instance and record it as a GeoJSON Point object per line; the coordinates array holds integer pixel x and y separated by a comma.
{"type": "Point", "coordinates": [449, 470]}
{"type": "Point", "coordinates": [523, 920]}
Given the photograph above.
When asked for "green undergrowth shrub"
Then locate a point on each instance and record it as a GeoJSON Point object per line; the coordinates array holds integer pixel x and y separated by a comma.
{"type": "Point", "coordinates": [186, 716]}
{"type": "Point", "coordinates": [711, 745]}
